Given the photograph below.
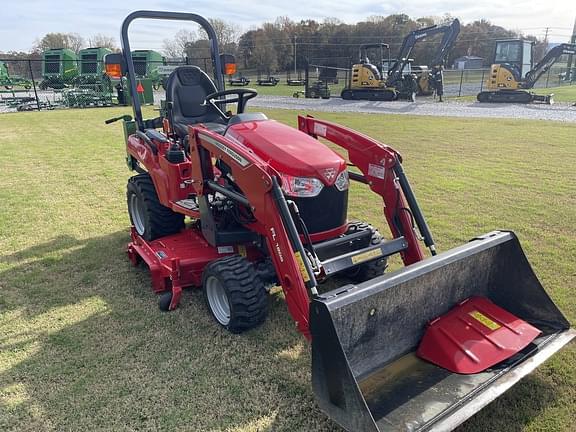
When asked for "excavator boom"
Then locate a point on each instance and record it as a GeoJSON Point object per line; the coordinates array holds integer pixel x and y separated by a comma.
{"type": "Point", "coordinates": [546, 63]}
{"type": "Point", "coordinates": [450, 33]}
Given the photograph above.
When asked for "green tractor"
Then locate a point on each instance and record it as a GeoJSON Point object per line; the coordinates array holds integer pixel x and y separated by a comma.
{"type": "Point", "coordinates": [59, 68]}
{"type": "Point", "coordinates": [10, 81]}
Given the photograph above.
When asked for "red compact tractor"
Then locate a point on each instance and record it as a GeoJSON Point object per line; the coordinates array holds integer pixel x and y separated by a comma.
{"type": "Point", "coordinates": [237, 203]}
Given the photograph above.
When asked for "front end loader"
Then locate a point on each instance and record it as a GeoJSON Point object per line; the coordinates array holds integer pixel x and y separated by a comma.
{"type": "Point", "coordinates": [237, 203]}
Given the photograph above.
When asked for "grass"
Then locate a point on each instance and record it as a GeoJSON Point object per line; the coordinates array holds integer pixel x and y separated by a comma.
{"type": "Point", "coordinates": [84, 347]}
{"type": "Point", "coordinates": [566, 93]}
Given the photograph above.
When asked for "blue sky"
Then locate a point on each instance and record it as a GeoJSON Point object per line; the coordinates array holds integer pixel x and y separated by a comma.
{"type": "Point", "coordinates": [26, 20]}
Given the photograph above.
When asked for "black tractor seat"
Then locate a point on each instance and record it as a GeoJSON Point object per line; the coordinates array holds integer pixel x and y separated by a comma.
{"type": "Point", "coordinates": [186, 91]}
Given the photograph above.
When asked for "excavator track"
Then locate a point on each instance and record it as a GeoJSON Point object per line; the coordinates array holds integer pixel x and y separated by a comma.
{"type": "Point", "coordinates": [502, 96]}
{"type": "Point", "coordinates": [386, 95]}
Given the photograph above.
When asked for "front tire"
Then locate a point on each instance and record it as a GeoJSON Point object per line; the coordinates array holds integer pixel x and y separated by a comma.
{"type": "Point", "coordinates": [235, 294]}
{"type": "Point", "coordinates": [371, 269]}
{"type": "Point", "coordinates": [150, 218]}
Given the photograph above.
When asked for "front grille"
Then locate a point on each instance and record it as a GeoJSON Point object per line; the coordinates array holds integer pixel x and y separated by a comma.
{"type": "Point", "coordinates": [324, 212]}
{"type": "Point", "coordinates": [89, 64]}
{"type": "Point", "coordinates": [140, 66]}
{"type": "Point", "coordinates": [52, 64]}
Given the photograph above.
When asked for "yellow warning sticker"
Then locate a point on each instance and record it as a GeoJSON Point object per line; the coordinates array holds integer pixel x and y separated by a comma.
{"type": "Point", "coordinates": [242, 250]}
{"type": "Point", "coordinates": [365, 256]}
{"type": "Point", "coordinates": [302, 267]}
{"type": "Point", "coordinates": [484, 320]}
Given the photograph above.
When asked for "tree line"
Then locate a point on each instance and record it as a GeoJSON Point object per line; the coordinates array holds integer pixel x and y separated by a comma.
{"type": "Point", "coordinates": [277, 46]}
{"type": "Point", "coordinates": [332, 42]}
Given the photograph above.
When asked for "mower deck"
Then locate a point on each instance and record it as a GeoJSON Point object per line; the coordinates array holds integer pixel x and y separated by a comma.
{"type": "Point", "coordinates": [175, 261]}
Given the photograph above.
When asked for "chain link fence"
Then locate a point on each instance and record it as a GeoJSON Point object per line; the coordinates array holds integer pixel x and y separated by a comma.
{"type": "Point", "coordinates": [58, 81]}
{"type": "Point", "coordinates": [61, 82]}
{"type": "Point", "coordinates": [457, 82]}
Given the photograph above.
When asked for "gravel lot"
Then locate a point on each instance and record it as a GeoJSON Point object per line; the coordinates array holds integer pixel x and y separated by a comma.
{"type": "Point", "coordinates": [558, 112]}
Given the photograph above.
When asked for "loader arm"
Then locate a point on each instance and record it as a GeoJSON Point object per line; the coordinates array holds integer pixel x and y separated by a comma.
{"type": "Point", "coordinates": [450, 34]}
{"type": "Point", "coordinates": [546, 63]}
{"type": "Point", "coordinates": [382, 171]}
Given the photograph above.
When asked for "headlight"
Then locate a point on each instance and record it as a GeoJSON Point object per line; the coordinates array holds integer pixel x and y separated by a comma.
{"type": "Point", "coordinates": [303, 187]}
{"type": "Point", "coordinates": [342, 181]}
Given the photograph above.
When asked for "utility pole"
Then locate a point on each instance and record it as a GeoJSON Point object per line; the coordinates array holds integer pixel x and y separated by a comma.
{"type": "Point", "coordinates": [295, 37]}
{"type": "Point", "coordinates": [539, 54]}
{"type": "Point", "coordinates": [570, 73]}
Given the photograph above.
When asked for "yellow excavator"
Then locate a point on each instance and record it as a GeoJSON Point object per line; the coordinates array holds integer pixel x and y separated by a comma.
{"type": "Point", "coordinates": [397, 81]}
{"type": "Point", "coordinates": [365, 74]}
{"type": "Point", "coordinates": [513, 72]}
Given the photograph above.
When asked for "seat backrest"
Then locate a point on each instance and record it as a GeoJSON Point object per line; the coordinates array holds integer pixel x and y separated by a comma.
{"type": "Point", "coordinates": [186, 89]}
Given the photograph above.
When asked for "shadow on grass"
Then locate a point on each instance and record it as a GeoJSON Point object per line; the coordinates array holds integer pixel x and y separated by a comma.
{"type": "Point", "coordinates": [84, 346]}
{"type": "Point", "coordinates": [38, 251]}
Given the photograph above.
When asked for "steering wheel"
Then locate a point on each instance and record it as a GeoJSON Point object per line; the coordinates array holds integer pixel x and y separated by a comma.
{"type": "Point", "coordinates": [242, 96]}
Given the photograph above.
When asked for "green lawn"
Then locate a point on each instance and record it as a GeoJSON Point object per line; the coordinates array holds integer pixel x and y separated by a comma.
{"type": "Point", "coordinates": [84, 347]}
{"type": "Point", "coordinates": [565, 93]}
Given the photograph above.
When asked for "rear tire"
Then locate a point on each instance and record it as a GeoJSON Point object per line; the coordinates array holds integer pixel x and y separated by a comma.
{"type": "Point", "coordinates": [150, 218]}
{"type": "Point", "coordinates": [235, 294]}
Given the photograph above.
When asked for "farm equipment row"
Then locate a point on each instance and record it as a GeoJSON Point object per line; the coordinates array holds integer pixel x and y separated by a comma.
{"type": "Point", "coordinates": [420, 348]}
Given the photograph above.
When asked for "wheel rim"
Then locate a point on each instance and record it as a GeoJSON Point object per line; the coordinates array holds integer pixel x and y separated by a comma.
{"type": "Point", "coordinates": [137, 213]}
{"type": "Point", "coordinates": [217, 300]}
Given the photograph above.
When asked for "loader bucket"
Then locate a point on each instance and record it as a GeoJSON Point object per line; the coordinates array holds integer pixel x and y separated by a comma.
{"type": "Point", "coordinates": [365, 373]}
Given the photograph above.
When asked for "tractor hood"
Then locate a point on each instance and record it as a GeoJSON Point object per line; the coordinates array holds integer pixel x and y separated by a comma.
{"type": "Point", "coordinates": [288, 150]}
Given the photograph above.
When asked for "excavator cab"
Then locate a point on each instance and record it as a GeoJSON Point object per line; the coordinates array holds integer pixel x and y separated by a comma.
{"type": "Point", "coordinates": [370, 70]}
{"type": "Point", "coordinates": [515, 55]}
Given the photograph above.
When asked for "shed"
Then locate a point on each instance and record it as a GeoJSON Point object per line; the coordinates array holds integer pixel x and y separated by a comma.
{"type": "Point", "coordinates": [469, 62]}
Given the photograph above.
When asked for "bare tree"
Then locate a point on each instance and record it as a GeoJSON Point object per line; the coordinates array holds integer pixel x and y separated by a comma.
{"type": "Point", "coordinates": [75, 42]}
{"type": "Point", "coordinates": [72, 41]}
{"type": "Point", "coordinates": [176, 47]}
{"type": "Point", "coordinates": [226, 33]}
{"type": "Point", "coordinates": [100, 40]}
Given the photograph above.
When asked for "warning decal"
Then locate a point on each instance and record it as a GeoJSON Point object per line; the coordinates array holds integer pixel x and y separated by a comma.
{"type": "Point", "coordinates": [374, 253]}
{"type": "Point", "coordinates": [376, 171]}
{"type": "Point", "coordinates": [320, 129]}
{"type": "Point", "coordinates": [487, 322]}
{"type": "Point", "coordinates": [302, 267]}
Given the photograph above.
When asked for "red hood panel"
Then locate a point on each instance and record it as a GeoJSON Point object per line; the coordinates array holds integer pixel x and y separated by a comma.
{"type": "Point", "coordinates": [288, 150]}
